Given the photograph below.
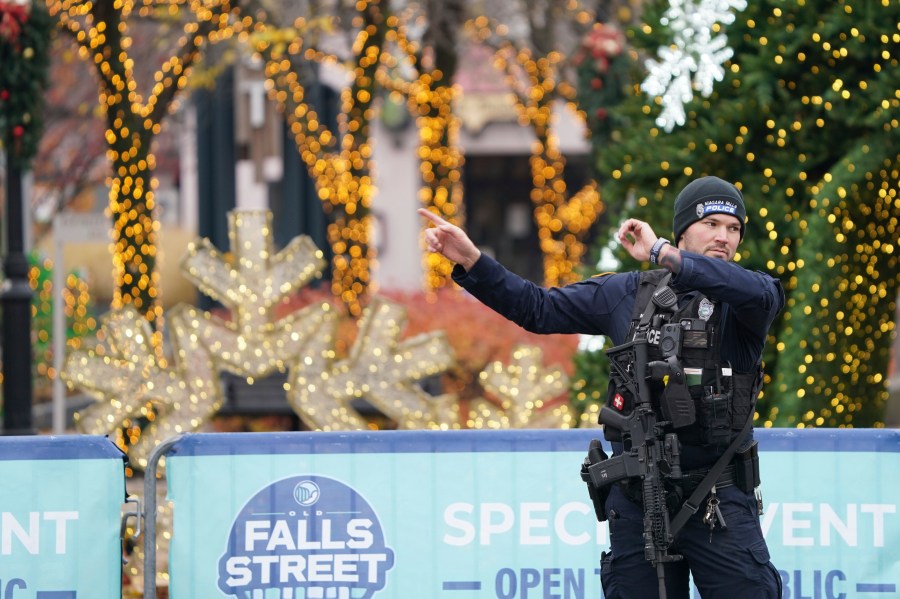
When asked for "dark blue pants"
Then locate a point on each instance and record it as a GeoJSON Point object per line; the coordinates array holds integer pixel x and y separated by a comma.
{"type": "Point", "coordinates": [733, 565]}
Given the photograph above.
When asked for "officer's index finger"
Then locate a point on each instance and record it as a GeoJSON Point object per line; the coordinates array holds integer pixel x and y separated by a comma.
{"type": "Point", "coordinates": [437, 220]}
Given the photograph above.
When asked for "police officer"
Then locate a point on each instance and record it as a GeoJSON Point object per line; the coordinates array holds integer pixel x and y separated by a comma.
{"type": "Point", "coordinates": [730, 310]}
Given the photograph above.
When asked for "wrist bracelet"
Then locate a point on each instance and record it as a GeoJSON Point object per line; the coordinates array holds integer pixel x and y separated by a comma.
{"type": "Point", "coordinates": [657, 247]}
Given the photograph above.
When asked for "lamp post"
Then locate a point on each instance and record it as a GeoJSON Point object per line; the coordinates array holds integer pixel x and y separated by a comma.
{"type": "Point", "coordinates": [25, 27]}
{"type": "Point", "coordinates": [15, 301]}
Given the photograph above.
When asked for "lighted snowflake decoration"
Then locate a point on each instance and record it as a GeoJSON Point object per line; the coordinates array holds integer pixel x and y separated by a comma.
{"type": "Point", "coordinates": [124, 373]}
{"type": "Point", "coordinates": [379, 368]}
{"type": "Point", "coordinates": [695, 58]}
{"type": "Point", "coordinates": [525, 388]}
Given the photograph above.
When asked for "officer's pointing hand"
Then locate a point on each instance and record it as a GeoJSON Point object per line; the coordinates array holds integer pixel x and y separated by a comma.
{"type": "Point", "coordinates": [449, 240]}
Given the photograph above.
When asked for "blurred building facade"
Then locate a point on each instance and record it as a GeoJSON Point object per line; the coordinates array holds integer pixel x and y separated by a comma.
{"type": "Point", "coordinates": [236, 152]}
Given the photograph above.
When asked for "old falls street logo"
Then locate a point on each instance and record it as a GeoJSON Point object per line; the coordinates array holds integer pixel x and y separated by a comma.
{"type": "Point", "coordinates": [306, 493]}
{"type": "Point", "coordinates": [305, 537]}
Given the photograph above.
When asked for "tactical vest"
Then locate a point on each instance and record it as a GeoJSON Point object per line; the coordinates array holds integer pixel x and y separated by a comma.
{"type": "Point", "coordinates": [723, 398]}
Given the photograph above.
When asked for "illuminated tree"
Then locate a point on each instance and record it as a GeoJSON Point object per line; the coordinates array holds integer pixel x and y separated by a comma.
{"type": "Point", "coordinates": [106, 33]}
{"type": "Point", "coordinates": [339, 160]}
{"type": "Point", "coordinates": [430, 93]}
{"type": "Point", "coordinates": [805, 121]}
{"type": "Point", "coordinates": [531, 51]}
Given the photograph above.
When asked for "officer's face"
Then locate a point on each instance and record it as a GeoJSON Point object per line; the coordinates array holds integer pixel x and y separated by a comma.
{"type": "Point", "coordinates": [716, 236]}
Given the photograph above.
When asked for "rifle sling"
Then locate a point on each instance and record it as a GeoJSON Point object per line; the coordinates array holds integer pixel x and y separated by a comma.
{"type": "Point", "coordinates": [692, 504]}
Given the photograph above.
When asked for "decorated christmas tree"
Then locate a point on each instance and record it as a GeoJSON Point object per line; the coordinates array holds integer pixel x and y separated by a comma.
{"type": "Point", "coordinates": [796, 102]}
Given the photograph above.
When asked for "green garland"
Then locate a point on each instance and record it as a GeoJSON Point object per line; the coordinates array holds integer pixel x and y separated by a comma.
{"type": "Point", "coordinates": [24, 53]}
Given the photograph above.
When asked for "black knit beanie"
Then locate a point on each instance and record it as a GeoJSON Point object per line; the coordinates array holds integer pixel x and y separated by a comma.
{"type": "Point", "coordinates": [704, 196]}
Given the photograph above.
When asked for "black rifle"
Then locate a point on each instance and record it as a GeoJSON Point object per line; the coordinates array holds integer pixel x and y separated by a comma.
{"type": "Point", "coordinates": [650, 454]}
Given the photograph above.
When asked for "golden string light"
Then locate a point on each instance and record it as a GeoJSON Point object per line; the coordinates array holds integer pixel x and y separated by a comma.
{"type": "Point", "coordinates": [853, 303]}
{"type": "Point", "coordinates": [76, 311]}
{"type": "Point", "coordinates": [563, 219]}
{"type": "Point", "coordinates": [441, 164]}
{"type": "Point", "coordinates": [842, 314]}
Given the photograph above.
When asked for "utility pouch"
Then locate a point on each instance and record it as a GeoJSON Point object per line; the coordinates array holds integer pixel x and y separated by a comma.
{"type": "Point", "coordinates": [746, 468]}
{"type": "Point", "coordinates": [598, 495]}
{"type": "Point", "coordinates": [714, 418]}
{"type": "Point", "coordinates": [677, 405]}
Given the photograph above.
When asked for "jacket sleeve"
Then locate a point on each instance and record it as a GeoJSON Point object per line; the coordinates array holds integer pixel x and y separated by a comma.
{"type": "Point", "coordinates": [755, 297]}
{"type": "Point", "coordinates": [589, 307]}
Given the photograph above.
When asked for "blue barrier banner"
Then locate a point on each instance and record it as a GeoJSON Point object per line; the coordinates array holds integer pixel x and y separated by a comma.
{"type": "Point", "coordinates": [60, 517]}
{"type": "Point", "coordinates": [500, 514]}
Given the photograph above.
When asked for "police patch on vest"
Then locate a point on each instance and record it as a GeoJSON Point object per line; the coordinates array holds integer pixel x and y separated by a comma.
{"type": "Point", "coordinates": [706, 308]}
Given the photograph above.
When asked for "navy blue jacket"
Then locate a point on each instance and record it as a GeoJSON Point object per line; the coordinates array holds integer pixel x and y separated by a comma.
{"type": "Point", "coordinates": [603, 305]}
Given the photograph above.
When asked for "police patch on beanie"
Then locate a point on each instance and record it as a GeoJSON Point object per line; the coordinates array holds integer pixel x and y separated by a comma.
{"type": "Point", "coordinates": [704, 196]}
{"type": "Point", "coordinates": [716, 207]}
